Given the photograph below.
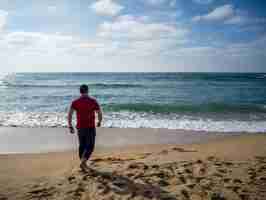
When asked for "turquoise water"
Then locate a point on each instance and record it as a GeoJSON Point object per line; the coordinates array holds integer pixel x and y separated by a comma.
{"type": "Point", "coordinates": [194, 101]}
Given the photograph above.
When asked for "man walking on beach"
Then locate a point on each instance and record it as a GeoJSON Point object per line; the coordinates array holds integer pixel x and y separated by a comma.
{"type": "Point", "coordinates": [85, 107]}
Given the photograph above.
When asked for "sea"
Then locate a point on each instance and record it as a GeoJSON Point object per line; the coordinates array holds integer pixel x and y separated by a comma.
{"type": "Point", "coordinates": [220, 102]}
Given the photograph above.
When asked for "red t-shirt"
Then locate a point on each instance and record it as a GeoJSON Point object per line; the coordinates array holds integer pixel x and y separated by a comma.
{"type": "Point", "coordinates": [85, 108]}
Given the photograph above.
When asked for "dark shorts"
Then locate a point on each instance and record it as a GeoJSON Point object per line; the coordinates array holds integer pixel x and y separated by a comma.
{"type": "Point", "coordinates": [86, 142]}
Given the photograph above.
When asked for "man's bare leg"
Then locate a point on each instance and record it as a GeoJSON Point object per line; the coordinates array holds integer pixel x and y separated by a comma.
{"type": "Point", "coordinates": [83, 163]}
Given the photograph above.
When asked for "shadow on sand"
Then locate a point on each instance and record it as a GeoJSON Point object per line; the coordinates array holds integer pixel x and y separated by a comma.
{"type": "Point", "coordinates": [122, 185]}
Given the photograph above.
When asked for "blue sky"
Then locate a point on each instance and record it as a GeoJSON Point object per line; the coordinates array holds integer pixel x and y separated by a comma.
{"type": "Point", "coordinates": [139, 35]}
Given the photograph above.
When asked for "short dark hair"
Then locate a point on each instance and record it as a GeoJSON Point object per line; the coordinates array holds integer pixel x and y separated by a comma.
{"type": "Point", "coordinates": [84, 89]}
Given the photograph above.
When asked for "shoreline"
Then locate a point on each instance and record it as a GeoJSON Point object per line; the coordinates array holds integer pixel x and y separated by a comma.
{"type": "Point", "coordinates": [197, 125]}
{"type": "Point", "coordinates": [144, 128]}
{"type": "Point", "coordinates": [14, 140]}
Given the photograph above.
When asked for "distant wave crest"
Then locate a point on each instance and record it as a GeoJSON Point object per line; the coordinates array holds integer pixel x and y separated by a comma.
{"type": "Point", "coordinates": [97, 85]}
{"type": "Point", "coordinates": [201, 108]}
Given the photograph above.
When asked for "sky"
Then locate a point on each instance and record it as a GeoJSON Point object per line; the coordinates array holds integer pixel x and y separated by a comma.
{"type": "Point", "coordinates": [133, 36]}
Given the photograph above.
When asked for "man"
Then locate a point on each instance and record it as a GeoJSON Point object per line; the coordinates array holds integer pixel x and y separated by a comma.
{"type": "Point", "coordinates": [85, 107]}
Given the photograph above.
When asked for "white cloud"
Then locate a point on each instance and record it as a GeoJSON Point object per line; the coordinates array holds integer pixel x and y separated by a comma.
{"type": "Point", "coordinates": [219, 14]}
{"type": "Point", "coordinates": [257, 47]}
{"type": "Point", "coordinates": [229, 15]}
{"type": "Point", "coordinates": [53, 46]}
{"type": "Point", "coordinates": [52, 9]}
{"type": "Point", "coordinates": [245, 20]}
{"type": "Point", "coordinates": [236, 20]}
{"type": "Point", "coordinates": [29, 42]}
{"type": "Point", "coordinates": [22, 37]}
{"type": "Point", "coordinates": [106, 7]}
{"type": "Point", "coordinates": [203, 1]}
{"type": "Point", "coordinates": [3, 19]}
{"type": "Point", "coordinates": [129, 43]}
{"type": "Point", "coordinates": [40, 51]}
{"type": "Point", "coordinates": [156, 2]}
{"type": "Point", "coordinates": [136, 28]}
{"type": "Point", "coordinates": [131, 37]}
{"type": "Point", "coordinates": [164, 16]}
{"type": "Point", "coordinates": [172, 3]}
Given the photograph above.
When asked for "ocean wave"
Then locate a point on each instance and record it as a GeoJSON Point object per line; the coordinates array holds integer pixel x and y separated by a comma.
{"type": "Point", "coordinates": [97, 85]}
{"type": "Point", "coordinates": [135, 120]}
{"type": "Point", "coordinates": [263, 76]}
{"type": "Point", "coordinates": [173, 108]}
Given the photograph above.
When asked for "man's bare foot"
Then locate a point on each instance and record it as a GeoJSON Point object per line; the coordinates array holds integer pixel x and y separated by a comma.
{"type": "Point", "coordinates": [84, 167]}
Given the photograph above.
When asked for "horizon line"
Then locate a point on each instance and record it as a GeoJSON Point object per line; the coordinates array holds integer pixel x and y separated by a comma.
{"type": "Point", "coordinates": [78, 72]}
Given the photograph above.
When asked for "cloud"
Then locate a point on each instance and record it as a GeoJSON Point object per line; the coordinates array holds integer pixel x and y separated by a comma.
{"type": "Point", "coordinates": [150, 39]}
{"type": "Point", "coordinates": [237, 20]}
{"type": "Point", "coordinates": [33, 49]}
{"type": "Point", "coordinates": [170, 3]}
{"type": "Point", "coordinates": [52, 9]}
{"type": "Point", "coordinates": [41, 45]}
{"type": "Point", "coordinates": [203, 1]}
{"type": "Point", "coordinates": [165, 15]}
{"type": "Point", "coordinates": [106, 7]}
{"type": "Point", "coordinates": [244, 49]}
{"type": "Point", "coordinates": [35, 42]}
{"type": "Point", "coordinates": [218, 14]}
{"type": "Point", "coordinates": [138, 28]}
{"type": "Point", "coordinates": [156, 2]}
{"type": "Point", "coordinates": [3, 18]}
{"type": "Point", "coordinates": [245, 20]}
{"type": "Point", "coordinates": [229, 15]}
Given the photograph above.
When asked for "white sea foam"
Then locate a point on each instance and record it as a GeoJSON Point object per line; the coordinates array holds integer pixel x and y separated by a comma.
{"type": "Point", "coordinates": [6, 78]}
{"type": "Point", "coordinates": [134, 120]}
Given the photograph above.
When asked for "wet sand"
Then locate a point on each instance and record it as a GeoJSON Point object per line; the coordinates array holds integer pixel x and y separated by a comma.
{"type": "Point", "coordinates": [41, 140]}
{"type": "Point", "coordinates": [226, 167]}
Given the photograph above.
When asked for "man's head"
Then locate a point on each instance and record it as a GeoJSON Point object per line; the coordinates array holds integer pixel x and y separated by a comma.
{"type": "Point", "coordinates": [84, 89]}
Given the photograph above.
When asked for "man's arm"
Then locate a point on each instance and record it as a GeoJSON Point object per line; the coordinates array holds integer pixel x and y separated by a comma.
{"type": "Point", "coordinates": [100, 117]}
{"type": "Point", "coordinates": [70, 114]}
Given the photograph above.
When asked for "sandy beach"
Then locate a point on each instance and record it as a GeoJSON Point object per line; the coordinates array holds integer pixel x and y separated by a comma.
{"type": "Point", "coordinates": [221, 167]}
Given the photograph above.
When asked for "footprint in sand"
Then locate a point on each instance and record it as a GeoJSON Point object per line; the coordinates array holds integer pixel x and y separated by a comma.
{"type": "Point", "coordinates": [252, 174]}
{"type": "Point", "coordinates": [199, 169]}
{"type": "Point", "coordinates": [196, 179]}
{"type": "Point", "coordinates": [79, 190]}
{"type": "Point", "coordinates": [138, 165]}
{"type": "Point", "coordinates": [111, 160]}
{"type": "Point", "coordinates": [42, 192]}
{"type": "Point", "coordinates": [179, 149]}
{"type": "Point", "coordinates": [143, 156]}
{"type": "Point", "coordinates": [237, 181]}
{"type": "Point", "coordinates": [211, 158]}
{"type": "Point", "coordinates": [222, 170]}
{"type": "Point", "coordinates": [261, 158]}
{"type": "Point", "coordinates": [163, 152]}
{"type": "Point", "coordinates": [185, 194]}
{"type": "Point", "coordinates": [228, 163]}
{"type": "Point", "coordinates": [262, 169]}
{"type": "Point", "coordinates": [71, 179]}
{"type": "Point", "coordinates": [227, 180]}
